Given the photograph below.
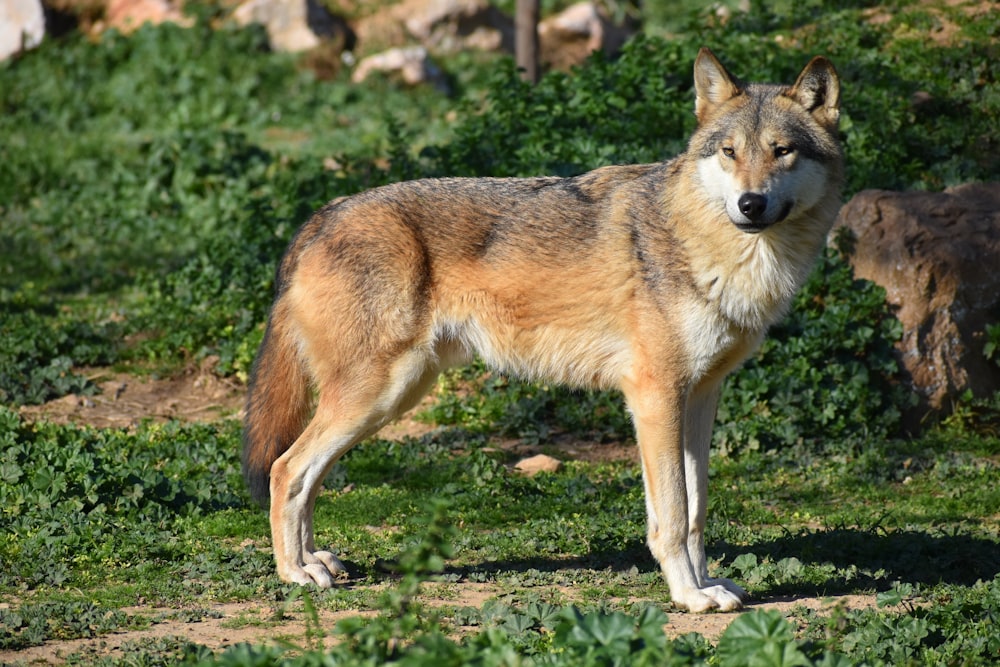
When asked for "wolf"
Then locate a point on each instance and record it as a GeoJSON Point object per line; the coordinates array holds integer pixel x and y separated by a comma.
{"type": "Point", "coordinates": [654, 279]}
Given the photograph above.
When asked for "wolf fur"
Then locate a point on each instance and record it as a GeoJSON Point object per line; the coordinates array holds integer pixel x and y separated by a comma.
{"type": "Point", "coordinates": [656, 279]}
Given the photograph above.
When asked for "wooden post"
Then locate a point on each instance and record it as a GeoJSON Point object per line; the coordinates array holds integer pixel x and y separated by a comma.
{"type": "Point", "coordinates": [526, 39]}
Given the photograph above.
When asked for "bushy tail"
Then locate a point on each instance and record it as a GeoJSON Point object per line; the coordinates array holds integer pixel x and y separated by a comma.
{"type": "Point", "coordinates": [278, 404]}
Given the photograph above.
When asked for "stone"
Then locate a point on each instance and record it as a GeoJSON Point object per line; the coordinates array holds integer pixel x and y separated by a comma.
{"type": "Point", "coordinates": [539, 463]}
{"type": "Point", "coordinates": [442, 26]}
{"type": "Point", "coordinates": [294, 25]}
{"type": "Point", "coordinates": [448, 26]}
{"type": "Point", "coordinates": [22, 26]}
{"type": "Point", "coordinates": [453, 25]}
{"type": "Point", "coordinates": [567, 38]}
{"type": "Point", "coordinates": [938, 257]}
{"type": "Point", "coordinates": [413, 65]}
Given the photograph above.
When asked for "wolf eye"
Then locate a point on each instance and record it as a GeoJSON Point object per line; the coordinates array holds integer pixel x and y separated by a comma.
{"type": "Point", "coordinates": [782, 151]}
{"type": "Point", "coordinates": [729, 152]}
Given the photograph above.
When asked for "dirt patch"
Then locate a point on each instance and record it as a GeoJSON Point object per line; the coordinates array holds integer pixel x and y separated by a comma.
{"type": "Point", "coordinates": [567, 447]}
{"type": "Point", "coordinates": [196, 395]}
{"type": "Point", "coordinates": [219, 626]}
{"type": "Point", "coordinates": [222, 625]}
{"type": "Point", "coordinates": [711, 626]}
{"type": "Point", "coordinates": [123, 400]}
{"type": "Point", "coordinates": [199, 395]}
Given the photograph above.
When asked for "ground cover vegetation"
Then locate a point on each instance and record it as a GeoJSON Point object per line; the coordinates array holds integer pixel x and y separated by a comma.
{"type": "Point", "coordinates": [148, 185]}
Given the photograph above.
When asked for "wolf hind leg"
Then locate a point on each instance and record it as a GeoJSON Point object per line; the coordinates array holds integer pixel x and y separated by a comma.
{"type": "Point", "coordinates": [344, 416]}
{"type": "Point", "coordinates": [295, 482]}
{"type": "Point", "coordinates": [312, 556]}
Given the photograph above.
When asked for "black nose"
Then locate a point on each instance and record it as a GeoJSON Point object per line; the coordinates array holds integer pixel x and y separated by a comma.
{"type": "Point", "coordinates": [753, 205]}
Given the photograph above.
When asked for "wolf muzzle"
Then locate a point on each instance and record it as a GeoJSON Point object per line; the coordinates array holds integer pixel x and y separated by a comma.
{"type": "Point", "coordinates": [754, 207]}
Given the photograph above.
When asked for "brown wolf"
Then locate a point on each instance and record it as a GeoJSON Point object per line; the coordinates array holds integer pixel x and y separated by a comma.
{"type": "Point", "coordinates": [655, 279]}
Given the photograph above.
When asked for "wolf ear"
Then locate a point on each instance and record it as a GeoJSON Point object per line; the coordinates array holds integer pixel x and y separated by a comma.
{"type": "Point", "coordinates": [713, 84]}
{"type": "Point", "coordinates": [818, 90]}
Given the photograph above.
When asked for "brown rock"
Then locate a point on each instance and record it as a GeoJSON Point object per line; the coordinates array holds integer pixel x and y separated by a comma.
{"type": "Point", "coordinates": [539, 463]}
{"type": "Point", "coordinates": [443, 26]}
{"type": "Point", "coordinates": [569, 37]}
{"type": "Point", "coordinates": [938, 257]}
{"type": "Point", "coordinates": [447, 26]}
{"type": "Point", "coordinates": [413, 65]}
{"type": "Point", "coordinates": [294, 25]}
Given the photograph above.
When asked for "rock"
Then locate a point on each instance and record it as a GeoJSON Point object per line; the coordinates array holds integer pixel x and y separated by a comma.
{"type": "Point", "coordinates": [453, 25]}
{"type": "Point", "coordinates": [448, 26]}
{"type": "Point", "coordinates": [22, 26]}
{"type": "Point", "coordinates": [938, 257]}
{"type": "Point", "coordinates": [444, 26]}
{"type": "Point", "coordinates": [539, 463]}
{"type": "Point", "coordinates": [129, 15]}
{"type": "Point", "coordinates": [569, 37]}
{"type": "Point", "coordinates": [413, 65]}
{"type": "Point", "coordinates": [295, 25]}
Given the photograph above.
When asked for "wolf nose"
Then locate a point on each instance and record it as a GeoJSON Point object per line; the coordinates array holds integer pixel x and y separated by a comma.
{"type": "Point", "coordinates": [752, 205]}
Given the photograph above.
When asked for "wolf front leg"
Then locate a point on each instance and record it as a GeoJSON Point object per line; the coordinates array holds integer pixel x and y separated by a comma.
{"type": "Point", "coordinates": [699, 419]}
{"type": "Point", "coordinates": [659, 411]}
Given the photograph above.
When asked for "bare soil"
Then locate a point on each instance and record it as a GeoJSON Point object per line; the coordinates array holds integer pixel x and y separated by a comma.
{"type": "Point", "coordinates": [233, 623]}
{"type": "Point", "coordinates": [199, 395]}
{"type": "Point", "coordinates": [123, 401]}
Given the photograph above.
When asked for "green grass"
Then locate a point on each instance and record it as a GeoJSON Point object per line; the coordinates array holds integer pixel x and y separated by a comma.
{"type": "Point", "coordinates": [148, 185]}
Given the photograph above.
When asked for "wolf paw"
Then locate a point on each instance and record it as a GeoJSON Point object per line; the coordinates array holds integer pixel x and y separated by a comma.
{"type": "Point", "coordinates": [327, 560]}
{"type": "Point", "coordinates": [729, 585]}
{"type": "Point", "coordinates": [711, 598]}
{"type": "Point", "coordinates": [724, 599]}
{"type": "Point", "coordinates": [320, 568]}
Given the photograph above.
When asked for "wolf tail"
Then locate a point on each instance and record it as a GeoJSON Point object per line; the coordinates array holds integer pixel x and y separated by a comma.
{"type": "Point", "coordinates": [278, 403]}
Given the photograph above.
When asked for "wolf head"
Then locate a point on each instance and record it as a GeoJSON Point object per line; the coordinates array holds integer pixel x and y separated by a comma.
{"type": "Point", "coordinates": [767, 153]}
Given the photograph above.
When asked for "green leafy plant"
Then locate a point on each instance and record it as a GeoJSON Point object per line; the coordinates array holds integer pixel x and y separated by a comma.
{"type": "Point", "coordinates": [826, 373]}
{"type": "Point", "coordinates": [43, 347]}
